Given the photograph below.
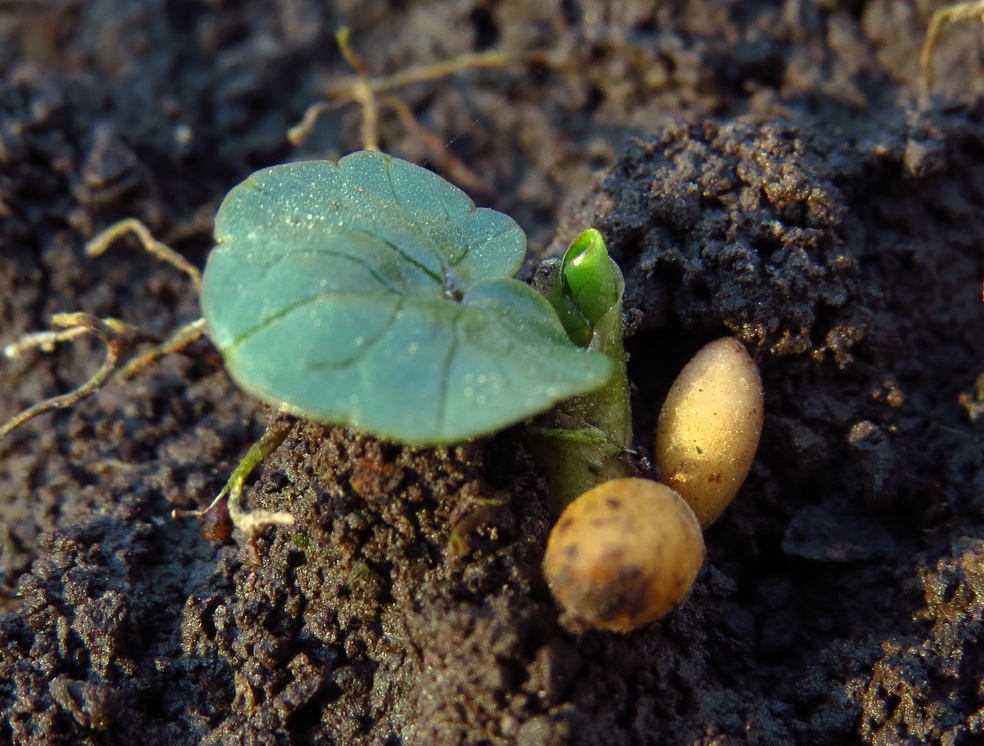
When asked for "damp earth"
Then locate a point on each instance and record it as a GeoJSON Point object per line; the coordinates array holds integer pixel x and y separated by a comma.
{"type": "Point", "coordinates": [758, 169]}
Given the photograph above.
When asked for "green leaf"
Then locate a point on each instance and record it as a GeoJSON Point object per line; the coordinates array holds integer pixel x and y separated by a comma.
{"type": "Point", "coordinates": [375, 294]}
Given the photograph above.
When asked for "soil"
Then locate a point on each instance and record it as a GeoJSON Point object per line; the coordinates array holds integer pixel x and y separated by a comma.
{"type": "Point", "coordinates": [759, 169]}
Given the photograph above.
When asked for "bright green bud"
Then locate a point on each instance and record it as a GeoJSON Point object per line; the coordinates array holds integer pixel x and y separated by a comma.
{"type": "Point", "coordinates": [583, 286]}
{"type": "Point", "coordinates": [589, 275]}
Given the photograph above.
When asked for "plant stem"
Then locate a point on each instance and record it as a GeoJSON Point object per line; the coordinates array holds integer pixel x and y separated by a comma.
{"type": "Point", "coordinates": [582, 441]}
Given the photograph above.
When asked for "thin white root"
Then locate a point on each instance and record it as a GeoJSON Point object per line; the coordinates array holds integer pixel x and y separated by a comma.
{"type": "Point", "coordinates": [252, 522]}
{"type": "Point", "coordinates": [299, 133]}
{"type": "Point", "coordinates": [183, 337]}
{"type": "Point", "coordinates": [362, 89]}
{"type": "Point", "coordinates": [44, 341]}
{"type": "Point", "coordinates": [119, 337]}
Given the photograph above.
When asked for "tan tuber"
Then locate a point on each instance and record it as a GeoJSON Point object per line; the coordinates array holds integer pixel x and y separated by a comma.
{"type": "Point", "coordinates": [709, 427]}
{"type": "Point", "coordinates": [623, 554]}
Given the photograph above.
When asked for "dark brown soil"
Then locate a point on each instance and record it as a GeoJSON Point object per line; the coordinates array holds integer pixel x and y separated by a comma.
{"type": "Point", "coordinates": [758, 168]}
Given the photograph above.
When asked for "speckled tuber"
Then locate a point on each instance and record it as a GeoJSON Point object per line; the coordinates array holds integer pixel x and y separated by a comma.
{"type": "Point", "coordinates": [623, 554]}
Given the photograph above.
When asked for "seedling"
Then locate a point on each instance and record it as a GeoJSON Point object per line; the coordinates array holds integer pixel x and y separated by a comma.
{"type": "Point", "coordinates": [584, 440]}
{"type": "Point", "coordinates": [372, 293]}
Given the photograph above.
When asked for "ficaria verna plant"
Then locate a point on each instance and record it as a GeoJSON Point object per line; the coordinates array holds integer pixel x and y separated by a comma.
{"type": "Point", "coordinates": [369, 293]}
{"type": "Point", "coordinates": [374, 294]}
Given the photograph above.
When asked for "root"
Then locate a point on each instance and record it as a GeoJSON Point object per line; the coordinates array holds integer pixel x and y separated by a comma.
{"type": "Point", "coordinates": [949, 14]}
{"type": "Point", "coordinates": [118, 337]}
{"type": "Point", "coordinates": [165, 253]}
{"type": "Point", "coordinates": [362, 88]}
{"type": "Point", "coordinates": [250, 522]}
{"type": "Point", "coordinates": [183, 337]}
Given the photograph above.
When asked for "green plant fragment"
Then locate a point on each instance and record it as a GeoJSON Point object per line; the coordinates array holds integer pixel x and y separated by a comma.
{"type": "Point", "coordinates": [375, 294]}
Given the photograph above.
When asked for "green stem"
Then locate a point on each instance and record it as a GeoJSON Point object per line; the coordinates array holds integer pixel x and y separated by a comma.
{"type": "Point", "coordinates": [583, 441]}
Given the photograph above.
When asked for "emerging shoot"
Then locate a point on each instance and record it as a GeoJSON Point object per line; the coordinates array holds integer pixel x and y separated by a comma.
{"type": "Point", "coordinates": [582, 441]}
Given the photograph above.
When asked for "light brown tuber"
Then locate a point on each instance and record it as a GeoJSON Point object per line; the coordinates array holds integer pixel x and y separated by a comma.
{"type": "Point", "coordinates": [623, 554]}
{"type": "Point", "coordinates": [709, 427]}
